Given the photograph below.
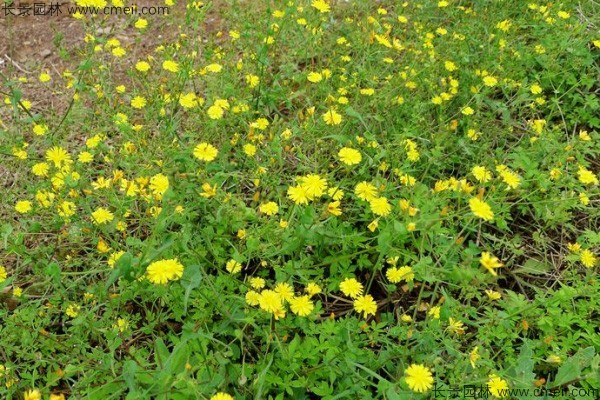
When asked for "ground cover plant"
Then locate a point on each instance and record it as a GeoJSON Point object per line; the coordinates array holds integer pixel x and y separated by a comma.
{"type": "Point", "coordinates": [304, 199]}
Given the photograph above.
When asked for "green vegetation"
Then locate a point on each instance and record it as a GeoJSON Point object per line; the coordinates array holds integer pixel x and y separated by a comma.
{"type": "Point", "coordinates": [307, 199]}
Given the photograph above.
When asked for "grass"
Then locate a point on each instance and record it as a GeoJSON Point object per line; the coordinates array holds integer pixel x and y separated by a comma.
{"type": "Point", "coordinates": [306, 200]}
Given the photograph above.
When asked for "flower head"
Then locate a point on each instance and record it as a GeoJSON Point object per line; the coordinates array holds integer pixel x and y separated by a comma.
{"type": "Point", "coordinates": [349, 156]}
{"type": "Point", "coordinates": [163, 271]}
{"type": "Point", "coordinates": [351, 287]}
{"type": "Point", "coordinates": [205, 152]}
{"type": "Point", "coordinates": [366, 305]}
{"type": "Point", "coordinates": [419, 378]}
{"type": "Point", "coordinates": [481, 209]}
{"type": "Point", "coordinates": [490, 262]}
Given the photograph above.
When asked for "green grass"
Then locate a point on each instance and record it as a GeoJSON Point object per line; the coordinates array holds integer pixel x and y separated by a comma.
{"type": "Point", "coordinates": [424, 92]}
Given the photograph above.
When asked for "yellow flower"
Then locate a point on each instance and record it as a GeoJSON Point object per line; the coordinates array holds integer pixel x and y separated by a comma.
{"type": "Point", "coordinates": [73, 310]}
{"type": "Point", "coordinates": [554, 359]}
{"type": "Point", "coordinates": [270, 208]}
{"type": "Point", "coordinates": [159, 184]}
{"type": "Point", "coordinates": [586, 176]}
{"type": "Point", "coordinates": [497, 386]}
{"type": "Point", "coordinates": [188, 100]}
{"type": "Point", "coordinates": [313, 289]}
{"type": "Point", "coordinates": [434, 312]}
{"type": "Point", "coordinates": [351, 287]}
{"type": "Point", "coordinates": [205, 152]}
{"type": "Point", "coordinates": [301, 306]}
{"type": "Point", "coordinates": [490, 81]}
{"type": "Point", "coordinates": [510, 178]}
{"type": "Point", "coordinates": [418, 378]}
{"type": "Point", "coordinates": [474, 356]}
{"type": "Point", "coordinates": [365, 191]}
{"type": "Point", "coordinates": [481, 174]}
{"type": "Point", "coordinates": [208, 191]}
{"type": "Point", "coordinates": [490, 262]}
{"type": "Point", "coordinates": [493, 295]}
{"type": "Point", "coordinates": [163, 271]}
{"type": "Point", "coordinates": [396, 275]}
{"type": "Point", "coordinates": [270, 301]}
{"type": "Point", "coordinates": [101, 216]}
{"type": "Point", "coordinates": [32, 394]}
{"type": "Point", "coordinates": [331, 117]}
{"type": "Point", "coordinates": [3, 273]}
{"type": "Point", "coordinates": [215, 112]}
{"type": "Point", "coordinates": [58, 156]}
{"type": "Point", "coordinates": [315, 77]}
{"type": "Point", "coordinates": [250, 149]}
{"type": "Point", "coordinates": [373, 225]}
{"type": "Point", "coordinates": [321, 6]}
{"type": "Point", "coordinates": [114, 257]}
{"type": "Point", "coordinates": [170, 66]}
{"type": "Point", "coordinates": [481, 209]}
{"type": "Point", "coordinates": [456, 327]}
{"type": "Point", "coordinates": [252, 298]}
{"type": "Point", "coordinates": [380, 206]}
{"type": "Point", "coordinates": [467, 111]}
{"type": "Point", "coordinates": [66, 209]}
{"type": "Point", "coordinates": [298, 194]}
{"type": "Point", "coordinates": [285, 290]}
{"type": "Point", "coordinates": [335, 193]}
{"type": "Point", "coordinates": [138, 102]}
{"type": "Point", "coordinates": [588, 259]}
{"type": "Point", "coordinates": [333, 208]}
{"type": "Point", "coordinates": [41, 130]}
{"type": "Point", "coordinates": [233, 267]}
{"type": "Point", "coordinates": [349, 156]}
{"type": "Point", "coordinates": [314, 185]}
{"type": "Point", "coordinates": [536, 89]}
{"type": "Point", "coordinates": [261, 124]}
{"type": "Point", "coordinates": [257, 282]}
{"type": "Point", "coordinates": [141, 23]}
{"type": "Point", "coordinates": [23, 206]}
{"type": "Point", "coordinates": [366, 305]}
{"type": "Point", "coordinates": [221, 396]}
{"type": "Point", "coordinates": [252, 80]}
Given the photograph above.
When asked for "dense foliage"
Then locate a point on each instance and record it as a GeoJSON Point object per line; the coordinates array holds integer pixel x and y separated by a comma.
{"type": "Point", "coordinates": [307, 199]}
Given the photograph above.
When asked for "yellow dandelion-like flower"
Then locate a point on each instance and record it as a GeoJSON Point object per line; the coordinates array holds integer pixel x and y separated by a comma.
{"type": "Point", "coordinates": [490, 262]}
{"type": "Point", "coordinates": [233, 267]}
{"type": "Point", "coordinates": [351, 287]}
{"type": "Point", "coordinates": [396, 275]}
{"type": "Point", "coordinates": [163, 271]}
{"type": "Point", "coordinates": [205, 152]}
{"type": "Point", "coordinates": [270, 208]}
{"type": "Point", "coordinates": [365, 305]}
{"type": "Point", "coordinates": [101, 216]}
{"type": "Point", "coordinates": [418, 378]}
{"type": "Point", "coordinates": [301, 305]}
{"type": "Point", "coordinates": [380, 206]}
{"type": "Point", "coordinates": [222, 396]}
{"type": "Point", "coordinates": [331, 117]}
{"type": "Point", "coordinates": [481, 209]}
{"type": "Point", "coordinates": [497, 386]}
{"type": "Point", "coordinates": [349, 156]}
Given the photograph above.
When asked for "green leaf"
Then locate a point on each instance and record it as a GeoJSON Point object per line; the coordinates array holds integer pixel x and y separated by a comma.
{"type": "Point", "coordinates": [534, 267]}
{"type": "Point", "coordinates": [523, 370]}
{"type": "Point", "coordinates": [191, 279]}
{"type": "Point", "coordinates": [571, 370]}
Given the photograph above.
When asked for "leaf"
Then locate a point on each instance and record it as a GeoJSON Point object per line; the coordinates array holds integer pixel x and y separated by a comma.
{"type": "Point", "coordinates": [571, 369]}
{"type": "Point", "coordinates": [192, 277]}
{"type": "Point", "coordinates": [122, 269]}
{"type": "Point", "coordinates": [534, 267]}
{"type": "Point", "coordinates": [129, 370]}
{"type": "Point", "coordinates": [523, 371]}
